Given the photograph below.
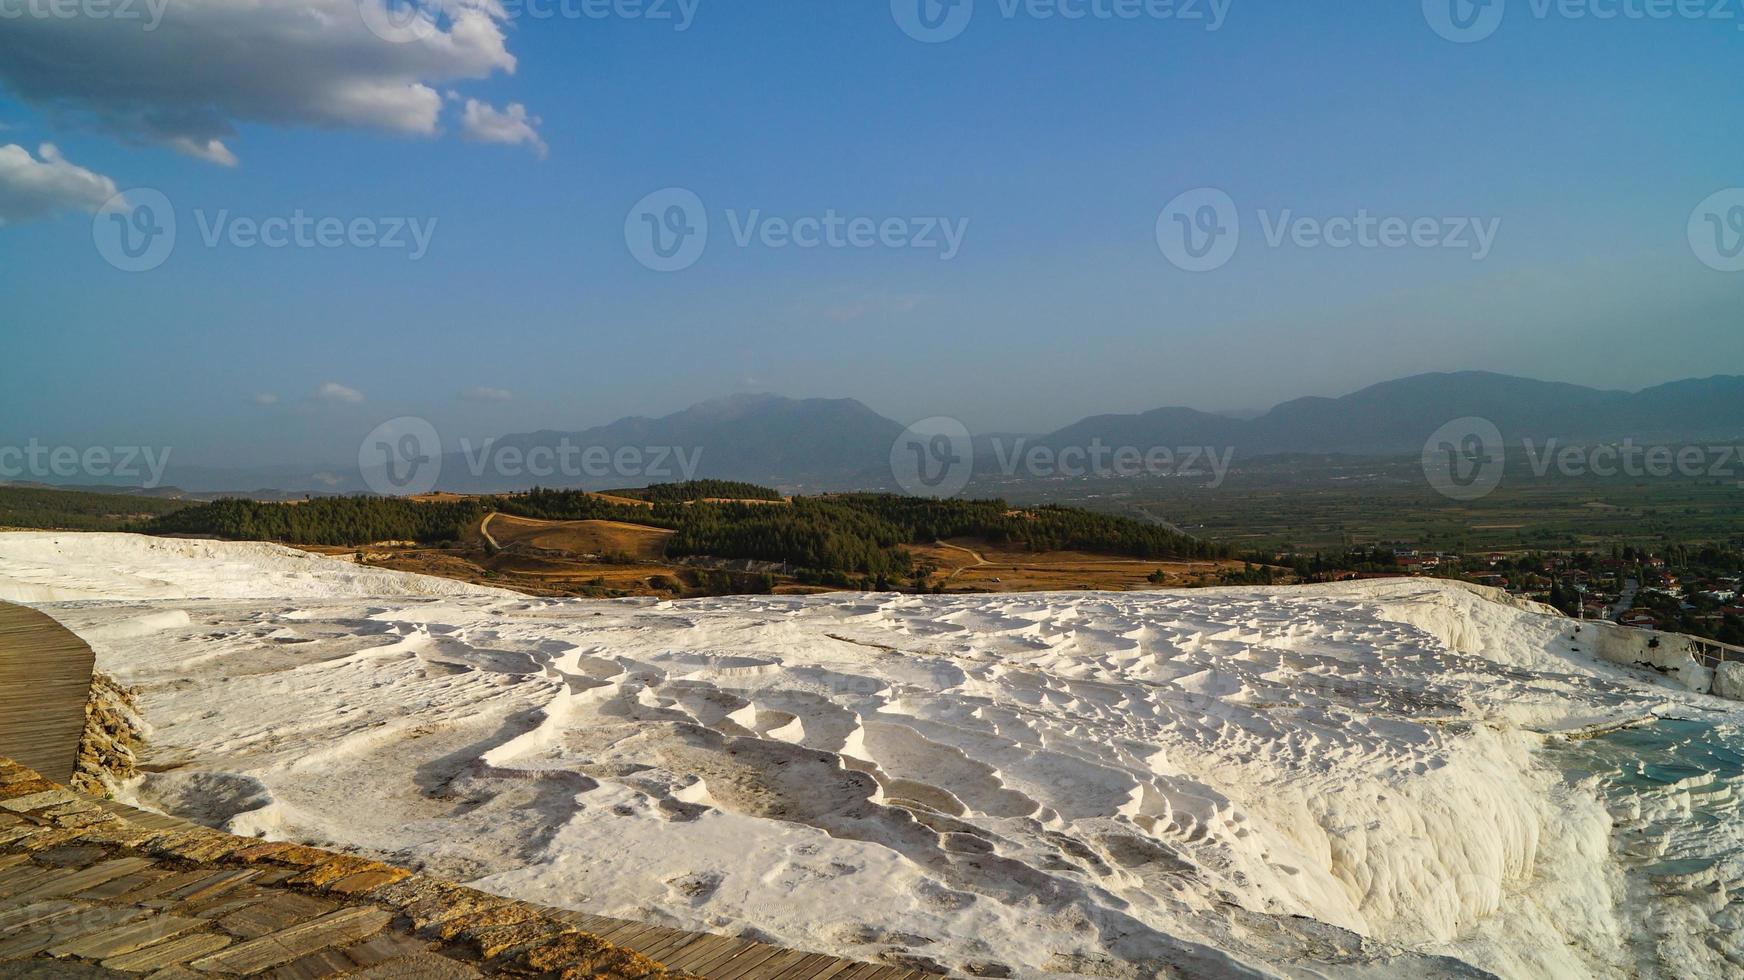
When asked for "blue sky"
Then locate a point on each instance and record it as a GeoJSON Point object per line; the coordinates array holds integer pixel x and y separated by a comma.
{"type": "Point", "coordinates": [1058, 142]}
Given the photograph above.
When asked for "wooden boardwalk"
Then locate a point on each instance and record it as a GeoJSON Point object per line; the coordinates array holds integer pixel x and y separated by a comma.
{"type": "Point", "coordinates": [45, 680]}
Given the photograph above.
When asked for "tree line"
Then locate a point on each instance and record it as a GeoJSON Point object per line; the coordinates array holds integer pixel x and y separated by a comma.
{"type": "Point", "coordinates": [692, 490]}
{"type": "Point", "coordinates": [74, 510]}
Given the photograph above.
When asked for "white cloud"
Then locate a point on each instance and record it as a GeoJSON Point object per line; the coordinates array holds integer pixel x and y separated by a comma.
{"type": "Point", "coordinates": [484, 123]}
{"type": "Point", "coordinates": [483, 394]}
{"type": "Point", "coordinates": [35, 188]}
{"type": "Point", "coordinates": [266, 398]}
{"type": "Point", "coordinates": [337, 393]}
{"type": "Point", "coordinates": [213, 64]}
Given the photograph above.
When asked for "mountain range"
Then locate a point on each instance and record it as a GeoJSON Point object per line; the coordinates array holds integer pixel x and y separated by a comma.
{"type": "Point", "coordinates": [837, 444]}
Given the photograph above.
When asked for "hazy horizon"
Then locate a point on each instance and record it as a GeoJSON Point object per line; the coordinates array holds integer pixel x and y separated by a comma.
{"type": "Point", "coordinates": [345, 419]}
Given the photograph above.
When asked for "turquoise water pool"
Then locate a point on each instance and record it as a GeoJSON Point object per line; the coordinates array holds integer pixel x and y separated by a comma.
{"type": "Point", "coordinates": [1674, 788]}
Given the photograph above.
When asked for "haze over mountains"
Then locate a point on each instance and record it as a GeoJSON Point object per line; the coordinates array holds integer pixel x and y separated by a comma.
{"type": "Point", "coordinates": [839, 444]}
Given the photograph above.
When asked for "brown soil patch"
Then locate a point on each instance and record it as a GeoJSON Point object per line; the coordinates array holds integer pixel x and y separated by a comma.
{"type": "Point", "coordinates": [581, 538]}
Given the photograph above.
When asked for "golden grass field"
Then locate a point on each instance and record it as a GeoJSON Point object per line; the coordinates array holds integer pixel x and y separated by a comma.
{"type": "Point", "coordinates": [968, 565]}
{"type": "Point", "coordinates": [597, 538]}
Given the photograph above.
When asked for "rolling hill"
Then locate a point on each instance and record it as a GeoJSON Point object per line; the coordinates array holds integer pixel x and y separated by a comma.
{"type": "Point", "coordinates": [815, 444]}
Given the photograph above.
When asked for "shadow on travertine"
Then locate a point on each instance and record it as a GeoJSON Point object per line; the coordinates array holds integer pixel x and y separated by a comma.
{"type": "Point", "coordinates": [88, 886]}
{"type": "Point", "coordinates": [94, 888]}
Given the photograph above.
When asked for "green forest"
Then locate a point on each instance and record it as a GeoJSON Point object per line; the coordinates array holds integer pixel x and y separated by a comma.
{"type": "Point", "coordinates": [690, 490]}
{"type": "Point", "coordinates": [327, 520]}
{"type": "Point", "coordinates": [73, 510]}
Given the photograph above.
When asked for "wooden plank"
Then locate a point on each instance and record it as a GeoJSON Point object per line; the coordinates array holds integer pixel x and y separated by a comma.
{"type": "Point", "coordinates": [162, 885]}
{"type": "Point", "coordinates": [168, 954]}
{"type": "Point", "coordinates": [276, 949]}
{"type": "Point", "coordinates": [18, 918]}
{"type": "Point", "coordinates": [45, 680]}
{"type": "Point", "coordinates": [865, 971]}
{"type": "Point", "coordinates": [697, 957]}
{"type": "Point", "coordinates": [41, 935]}
{"type": "Point", "coordinates": [315, 966]}
{"type": "Point", "coordinates": [222, 883]}
{"type": "Point", "coordinates": [741, 965]}
{"type": "Point", "coordinates": [660, 951]}
{"type": "Point", "coordinates": [715, 958]}
{"type": "Point", "coordinates": [629, 930]}
{"type": "Point", "coordinates": [14, 881]}
{"type": "Point", "coordinates": [60, 884]}
{"type": "Point", "coordinates": [278, 912]}
{"type": "Point", "coordinates": [661, 940]}
{"type": "Point", "coordinates": [121, 886]}
{"type": "Point", "coordinates": [775, 965]}
{"type": "Point", "coordinates": [105, 943]}
{"type": "Point", "coordinates": [814, 967]}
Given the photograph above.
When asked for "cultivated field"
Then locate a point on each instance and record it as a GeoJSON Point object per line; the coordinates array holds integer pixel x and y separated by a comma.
{"type": "Point", "coordinates": [613, 558]}
{"type": "Point", "coordinates": [603, 539]}
{"type": "Point", "coordinates": [1328, 504]}
{"type": "Point", "coordinates": [968, 565]}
